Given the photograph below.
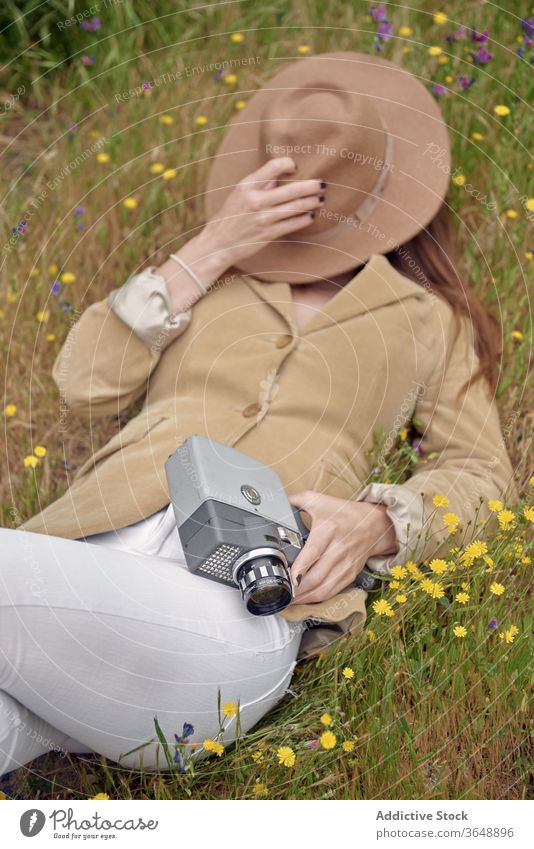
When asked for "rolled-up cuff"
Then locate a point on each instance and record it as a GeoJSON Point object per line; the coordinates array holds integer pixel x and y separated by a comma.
{"type": "Point", "coordinates": [143, 304]}
{"type": "Point", "coordinates": [406, 511]}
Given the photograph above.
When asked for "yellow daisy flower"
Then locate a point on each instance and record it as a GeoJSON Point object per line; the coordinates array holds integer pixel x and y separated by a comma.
{"type": "Point", "coordinates": [102, 158]}
{"type": "Point", "coordinates": [477, 136]}
{"type": "Point", "coordinates": [213, 746]}
{"type": "Point", "coordinates": [201, 120]}
{"type": "Point", "coordinates": [510, 634]}
{"type": "Point", "coordinates": [528, 513]}
{"type": "Point", "coordinates": [371, 636]}
{"type": "Point", "coordinates": [496, 588]}
{"type": "Point", "coordinates": [230, 79]}
{"type": "Point", "coordinates": [462, 598]}
{"type": "Point", "coordinates": [328, 740]}
{"type": "Point", "coordinates": [440, 500]}
{"type": "Point", "coordinates": [506, 519]}
{"type": "Point", "coordinates": [286, 756]}
{"type": "Point", "coordinates": [30, 461]}
{"type": "Point", "coordinates": [257, 757]}
{"type": "Point", "coordinates": [326, 719]}
{"type": "Point", "coordinates": [229, 708]}
{"type": "Point", "coordinates": [435, 50]}
{"type": "Point", "coordinates": [100, 797]}
{"type": "Point", "coordinates": [10, 410]}
{"type": "Point", "coordinates": [405, 32]}
{"type": "Point", "coordinates": [495, 506]}
{"type": "Point", "coordinates": [68, 277]}
{"type": "Point", "coordinates": [459, 179]}
{"type": "Point", "coordinates": [399, 572]}
{"type": "Point", "coordinates": [42, 315]}
{"type": "Point", "coordinates": [50, 337]}
{"type": "Point", "coordinates": [438, 566]}
{"type": "Point", "coordinates": [53, 269]}
{"type": "Point", "coordinates": [382, 607]}
{"type": "Point", "coordinates": [157, 168]}
{"type": "Point", "coordinates": [304, 49]}
{"type": "Point", "coordinates": [459, 631]}
{"type": "Point", "coordinates": [240, 104]}
{"type": "Point", "coordinates": [169, 174]}
{"type": "Point", "coordinates": [130, 203]}
{"type": "Point", "coordinates": [167, 120]}
{"type": "Point", "coordinates": [401, 598]}
{"type": "Point", "coordinates": [348, 672]}
{"type": "Point", "coordinates": [501, 110]}
{"type": "Point", "coordinates": [440, 18]}
{"type": "Point", "coordinates": [348, 745]}
{"type": "Point", "coordinates": [529, 204]}
{"type": "Point", "coordinates": [39, 451]}
{"type": "Point", "coordinates": [237, 37]}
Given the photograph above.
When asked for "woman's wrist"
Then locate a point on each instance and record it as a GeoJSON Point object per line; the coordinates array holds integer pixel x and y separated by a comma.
{"type": "Point", "coordinates": [384, 536]}
{"type": "Point", "coordinates": [206, 264]}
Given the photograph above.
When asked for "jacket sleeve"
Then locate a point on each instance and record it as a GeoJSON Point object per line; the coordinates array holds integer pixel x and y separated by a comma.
{"type": "Point", "coordinates": [109, 354]}
{"type": "Point", "coordinates": [466, 456]}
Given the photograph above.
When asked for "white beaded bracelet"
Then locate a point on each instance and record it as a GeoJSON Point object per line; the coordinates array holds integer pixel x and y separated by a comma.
{"type": "Point", "coordinates": [190, 272]}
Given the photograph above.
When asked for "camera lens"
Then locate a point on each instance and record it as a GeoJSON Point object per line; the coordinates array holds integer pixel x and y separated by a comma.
{"type": "Point", "coordinates": [265, 584]}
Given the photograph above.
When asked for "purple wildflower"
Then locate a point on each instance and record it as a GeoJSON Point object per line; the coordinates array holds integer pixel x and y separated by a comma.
{"type": "Point", "coordinates": [66, 306]}
{"type": "Point", "coordinates": [457, 35]}
{"type": "Point", "coordinates": [179, 759]}
{"type": "Point", "coordinates": [417, 447]}
{"type": "Point", "coordinates": [438, 89]}
{"type": "Point", "coordinates": [73, 127]}
{"type": "Point", "coordinates": [528, 27]}
{"type": "Point", "coordinates": [187, 731]}
{"type": "Point", "coordinates": [465, 82]}
{"type": "Point", "coordinates": [56, 287]}
{"type": "Point", "coordinates": [493, 624]}
{"type": "Point", "coordinates": [482, 57]}
{"type": "Point", "coordinates": [520, 52]}
{"type": "Point", "coordinates": [147, 86]}
{"type": "Point", "coordinates": [312, 744]}
{"type": "Point", "coordinates": [87, 61]}
{"type": "Point", "coordinates": [378, 13]}
{"type": "Point", "coordinates": [479, 37]}
{"type": "Point", "coordinates": [91, 26]}
{"type": "Point", "coordinates": [219, 74]}
{"type": "Point", "coordinates": [385, 30]}
{"type": "Point", "coordinates": [79, 210]}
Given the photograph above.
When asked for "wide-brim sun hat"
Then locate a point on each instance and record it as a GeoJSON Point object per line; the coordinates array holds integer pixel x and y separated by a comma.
{"type": "Point", "coordinates": [366, 126]}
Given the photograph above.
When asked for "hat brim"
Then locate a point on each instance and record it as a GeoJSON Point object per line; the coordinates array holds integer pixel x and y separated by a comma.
{"type": "Point", "coordinates": [411, 197]}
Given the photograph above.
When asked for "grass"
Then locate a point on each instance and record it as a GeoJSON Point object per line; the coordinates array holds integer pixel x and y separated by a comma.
{"type": "Point", "coordinates": [431, 715]}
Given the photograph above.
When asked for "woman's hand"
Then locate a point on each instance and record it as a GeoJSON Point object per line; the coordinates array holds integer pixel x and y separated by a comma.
{"type": "Point", "coordinates": [257, 211]}
{"type": "Point", "coordinates": [344, 534]}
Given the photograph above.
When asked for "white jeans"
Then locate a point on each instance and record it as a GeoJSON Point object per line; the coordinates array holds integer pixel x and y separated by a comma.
{"type": "Point", "coordinates": [95, 641]}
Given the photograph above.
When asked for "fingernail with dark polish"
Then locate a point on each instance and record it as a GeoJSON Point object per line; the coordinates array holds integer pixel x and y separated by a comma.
{"type": "Point", "coordinates": [312, 214]}
{"type": "Point", "coordinates": [322, 198]}
{"type": "Point", "coordinates": [299, 579]}
{"type": "Point", "coordinates": [323, 184]}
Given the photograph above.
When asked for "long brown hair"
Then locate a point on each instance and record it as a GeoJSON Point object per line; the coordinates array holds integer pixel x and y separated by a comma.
{"type": "Point", "coordinates": [432, 252]}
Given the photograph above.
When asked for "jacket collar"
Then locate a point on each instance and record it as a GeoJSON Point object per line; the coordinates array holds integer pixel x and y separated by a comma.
{"type": "Point", "coordinates": [376, 285]}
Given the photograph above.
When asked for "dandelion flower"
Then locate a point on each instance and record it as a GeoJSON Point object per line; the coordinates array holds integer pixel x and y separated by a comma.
{"type": "Point", "coordinates": [240, 104]}
{"type": "Point", "coordinates": [169, 174]}
{"type": "Point", "coordinates": [371, 636]}
{"type": "Point", "coordinates": [460, 631]}
{"type": "Point", "coordinates": [39, 451]}
{"type": "Point", "coordinates": [10, 410]}
{"type": "Point", "coordinates": [261, 789]}
{"type": "Point", "coordinates": [326, 719]}
{"type": "Point", "coordinates": [501, 110]}
{"type": "Point", "coordinates": [257, 757]}
{"type": "Point", "coordinates": [42, 315]}
{"type": "Point", "coordinates": [395, 585]}
{"type": "Point", "coordinates": [102, 158]}
{"type": "Point", "coordinates": [433, 589]}
{"type": "Point", "coordinates": [511, 213]}
{"type": "Point", "coordinates": [328, 740]}
{"type": "Point", "coordinates": [529, 204]}
{"type": "Point", "coordinates": [438, 566]}
{"type": "Point", "coordinates": [237, 37]}
{"type": "Point", "coordinates": [440, 18]}
{"type": "Point", "coordinates": [129, 203]}
{"type": "Point", "coordinates": [157, 168]}
{"type": "Point", "coordinates": [201, 120]}
{"type": "Point", "coordinates": [451, 520]}
{"type": "Point", "coordinates": [30, 461]}
{"type": "Point", "coordinates": [348, 672]}
{"type": "Point", "coordinates": [348, 745]}
{"type": "Point", "coordinates": [497, 589]}
{"type": "Point", "coordinates": [229, 708]}
{"type": "Point", "coordinates": [230, 79]}
{"type": "Point", "coordinates": [399, 572]}
{"type": "Point", "coordinates": [405, 32]}
{"type": "Point", "coordinates": [528, 513]}
{"type": "Point", "coordinates": [506, 519]}
{"type": "Point", "coordinates": [11, 297]}
{"type": "Point", "coordinates": [68, 277]}
{"type": "Point", "coordinates": [510, 634]}
{"type": "Point", "coordinates": [382, 607]}
{"type": "Point", "coordinates": [213, 746]}
{"type": "Point", "coordinates": [286, 756]}
{"type": "Point", "coordinates": [531, 481]}
{"type": "Point", "coordinates": [100, 797]}
{"type": "Point", "coordinates": [166, 120]}
{"type": "Point", "coordinates": [462, 598]}
{"type": "Point", "coordinates": [459, 179]}
{"type": "Point", "coordinates": [440, 500]}
{"type": "Point", "coordinates": [50, 337]}
{"type": "Point", "coordinates": [304, 49]}
{"type": "Point", "coordinates": [401, 598]}
{"type": "Point", "coordinates": [495, 506]}
{"type": "Point", "coordinates": [435, 50]}
{"type": "Point", "coordinates": [477, 136]}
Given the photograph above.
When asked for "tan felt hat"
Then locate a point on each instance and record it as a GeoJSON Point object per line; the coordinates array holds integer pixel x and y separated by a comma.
{"type": "Point", "coordinates": [366, 126]}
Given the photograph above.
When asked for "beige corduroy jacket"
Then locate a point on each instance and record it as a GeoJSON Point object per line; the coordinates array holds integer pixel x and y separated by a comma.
{"type": "Point", "coordinates": [382, 349]}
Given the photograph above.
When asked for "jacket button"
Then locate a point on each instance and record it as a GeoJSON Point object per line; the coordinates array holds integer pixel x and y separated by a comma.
{"type": "Point", "coordinates": [251, 410]}
{"type": "Point", "coordinates": [284, 340]}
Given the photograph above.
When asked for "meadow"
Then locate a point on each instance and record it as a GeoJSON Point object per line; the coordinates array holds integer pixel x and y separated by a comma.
{"type": "Point", "coordinates": [107, 126]}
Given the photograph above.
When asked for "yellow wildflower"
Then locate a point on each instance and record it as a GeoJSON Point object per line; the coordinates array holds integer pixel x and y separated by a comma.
{"type": "Point", "coordinates": [257, 757]}
{"type": "Point", "coordinates": [511, 213]}
{"type": "Point", "coordinates": [303, 49]}
{"type": "Point", "coordinates": [348, 745]}
{"type": "Point", "coordinates": [506, 519]}
{"type": "Point", "coordinates": [348, 672]}
{"type": "Point", "coordinates": [510, 634]}
{"type": "Point", "coordinates": [371, 636]}
{"type": "Point", "coordinates": [382, 607]}
{"type": "Point", "coordinates": [462, 598]}
{"type": "Point", "coordinates": [39, 451]}
{"type": "Point", "coordinates": [213, 746]}
{"type": "Point", "coordinates": [240, 104]}
{"type": "Point", "coordinates": [496, 588]}
{"type": "Point", "coordinates": [459, 179]}
{"type": "Point", "coordinates": [130, 203]}
{"type": "Point", "coordinates": [451, 520]}
{"type": "Point", "coordinates": [53, 269]}
{"type": "Point", "coordinates": [157, 168]}
{"type": "Point", "coordinates": [434, 50]}
{"type": "Point", "coordinates": [102, 158]}
{"type": "Point", "coordinates": [440, 500]}
{"type": "Point", "coordinates": [531, 481]}
{"type": "Point", "coordinates": [399, 572]}
{"type": "Point", "coordinates": [495, 506]}
{"type": "Point", "coordinates": [261, 789]}
{"type": "Point", "coordinates": [460, 631]}
{"type": "Point", "coordinates": [286, 756]}
{"type": "Point", "coordinates": [395, 585]}
{"type": "Point", "coordinates": [167, 120]}
{"type": "Point", "coordinates": [42, 315]}
{"type": "Point", "coordinates": [68, 277]}
{"type": "Point", "coordinates": [237, 37]}
{"type": "Point", "coordinates": [30, 461]}
{"type": "Point", "coordinates": [434, 589]}
{"type": "Point", "coordinates": [438, 566]}
{"type": "Point", "coordinates": [475, 549]}
{"type": "Point", "coordinates": [326, 719]}
{"type": "Point", "coordinates": [405, 32]}
{"type": "Point", "coordinates": [229, 708]}
{"type": "Point", "coordinates": [169, 174]}
{"type": "Point", "coordinates": [328, 740]}
{"type": "Point", "coordinates": [477, 136]}
{"type": "Point", "coordinates": [529, 204]}
{"type": "Point", "coordinates": [201, 120]}
{"type": "Point", "coordinates": [10, 410]}
{"type": "Point", "coordinates": [528, 513]}
{"type": "Point", "coordinates": [230, 79]}
{"type": "Point", "coordinates": [100, 796]}
{"type": "Point", "coordinates": [440, 18]}
{"type": "Point", "coordinates": [50, 337]}
{"type": "Point", "coordinates": [501, 110]}
{"type": "Point", "coordinates": [401, 598]}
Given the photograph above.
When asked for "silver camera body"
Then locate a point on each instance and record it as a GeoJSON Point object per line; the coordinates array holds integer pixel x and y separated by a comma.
{"type": "Point", "coordinates": [235, 522]}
